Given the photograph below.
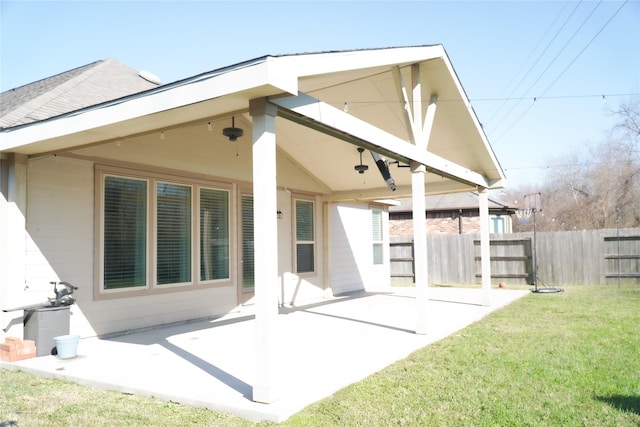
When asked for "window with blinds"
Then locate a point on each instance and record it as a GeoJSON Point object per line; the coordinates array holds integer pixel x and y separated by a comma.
{"type": "Point", "coordinates": [150, 227]}
{"type": "Point", "coordinates": [376, 236]}
{"type": "Point", "coordinates": [173, 233]}
{"type": "Point", "coordinates": [247, 260]}
{"type": "Point", "coordinates": [125, 232]}
{"type": "Point", "coordinates": [214, 234]}
{"type": "Point", "coordinates": [305, 240]}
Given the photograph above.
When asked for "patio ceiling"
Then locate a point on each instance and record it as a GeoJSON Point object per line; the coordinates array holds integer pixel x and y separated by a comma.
{"type": "Point", "coordinates": [360, 85]}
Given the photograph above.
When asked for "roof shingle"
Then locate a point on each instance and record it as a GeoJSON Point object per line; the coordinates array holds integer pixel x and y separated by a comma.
{"type": "Point", "coordinates": [91, 84]}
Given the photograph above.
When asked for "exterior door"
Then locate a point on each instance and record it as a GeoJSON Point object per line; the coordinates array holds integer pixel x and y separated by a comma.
{"type": "Point", "coordinates": [246, 267]}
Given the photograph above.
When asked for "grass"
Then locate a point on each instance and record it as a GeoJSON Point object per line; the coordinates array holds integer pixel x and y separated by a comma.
{"type": "Point", "coordinates": [569, 359]}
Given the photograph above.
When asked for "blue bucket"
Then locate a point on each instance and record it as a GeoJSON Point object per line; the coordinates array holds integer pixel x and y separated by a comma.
{"type": "Point", "coordinates": [67, 346]}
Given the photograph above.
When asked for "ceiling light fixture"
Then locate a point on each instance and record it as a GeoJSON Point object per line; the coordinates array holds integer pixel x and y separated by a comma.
{"type": "Point", "coordinates": [361, 168]}
{"type": "Point", "coordinates": [233, 133]}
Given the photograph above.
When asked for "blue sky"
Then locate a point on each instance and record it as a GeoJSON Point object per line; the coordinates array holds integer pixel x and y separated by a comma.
{"type": "Point", "coordinates": [535, 71]}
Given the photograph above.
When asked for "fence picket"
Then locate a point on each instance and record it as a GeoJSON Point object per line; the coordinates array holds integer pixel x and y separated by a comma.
{"type": "Point", "coordinates": [566, 257]}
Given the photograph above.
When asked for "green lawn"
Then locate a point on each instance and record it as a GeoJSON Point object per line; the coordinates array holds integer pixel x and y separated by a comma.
{"type": "Point", "coordinates": [567, 359]}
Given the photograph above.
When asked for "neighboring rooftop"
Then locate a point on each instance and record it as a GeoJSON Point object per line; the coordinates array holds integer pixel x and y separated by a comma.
{"type": "Point", "coordinates": [91, 84]}
{"type": "Point", "coordinates": [446, 202]}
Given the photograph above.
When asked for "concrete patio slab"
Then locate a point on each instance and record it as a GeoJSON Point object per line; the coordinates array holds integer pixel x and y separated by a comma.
{"type": "Point", "coordinates": [323, 348]}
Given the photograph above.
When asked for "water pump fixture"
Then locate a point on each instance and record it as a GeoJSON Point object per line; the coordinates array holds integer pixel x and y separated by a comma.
{"type": "Point", "coordinates": [62, 298]}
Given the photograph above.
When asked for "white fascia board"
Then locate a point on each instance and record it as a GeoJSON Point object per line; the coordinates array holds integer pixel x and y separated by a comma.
{"type": "Point", "coordinates": [333, 62]}
{"type": "Point", "coordinates": [473, 117]}
{"type": "Point", "coordinates": [388, 202]}
{"type": "Point", "coordinates": [148, 103]}
{"type": "Point", "coordinates": [315, 114]}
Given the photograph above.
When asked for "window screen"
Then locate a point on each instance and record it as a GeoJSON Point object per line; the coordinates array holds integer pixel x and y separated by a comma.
{"type": "Point", "coordinates": [248, 264]}
{"type": "Point", "coordinates": [305, 242]}
{"type": "Point", "coordinates": [376, 235]}
{"type": "Point", "coordinates": [173, 224]}
{"type": "Point", "coordinates": [214, 234]}
{"type": "Point", "coordinates": [125, 232]}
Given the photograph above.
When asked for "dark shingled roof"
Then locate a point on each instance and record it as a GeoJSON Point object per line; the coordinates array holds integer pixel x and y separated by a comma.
{"type": "Point", "coordinates": [91, 84]}
{"type": "Point", "coordinates": [446, 202]}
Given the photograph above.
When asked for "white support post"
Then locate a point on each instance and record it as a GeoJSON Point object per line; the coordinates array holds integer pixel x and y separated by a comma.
{"type": "Point", "coordinates": [420, 246]}
{"type": "Point", "coordinates": [265, 235]}
{"type": "Point", "coordinates": [485, 248]}
{"type": "Point", "coordinates": [430, 117]}
{"type": "Point", "coordinates": [416, 84]}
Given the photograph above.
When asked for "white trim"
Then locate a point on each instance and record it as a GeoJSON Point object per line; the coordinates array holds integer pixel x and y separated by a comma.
{"type": "Point", "coordinates": [162, 99]}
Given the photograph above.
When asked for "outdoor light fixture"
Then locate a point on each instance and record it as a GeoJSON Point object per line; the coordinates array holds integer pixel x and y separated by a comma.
{"type": "Point", "coordinates": [361, 168]}
{"type": "Point", "coordinates": [233, 133]}
{"type": "Point", "coordinates": [383, 167]}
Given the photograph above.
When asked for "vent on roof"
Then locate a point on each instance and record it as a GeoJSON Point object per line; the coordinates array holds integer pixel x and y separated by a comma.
{"type": "Point", "coordinates": [152, 78]}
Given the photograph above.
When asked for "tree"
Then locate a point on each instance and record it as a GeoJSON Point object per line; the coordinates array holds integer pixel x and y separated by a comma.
{"type": "Point", "coordinates": [598, 187]}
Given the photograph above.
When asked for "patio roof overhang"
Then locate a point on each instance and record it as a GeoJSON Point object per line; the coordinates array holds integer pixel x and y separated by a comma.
{"type": "Point", "coordinates": [387, 110]}
{"type": "Point", "coordinates": [404, 103]}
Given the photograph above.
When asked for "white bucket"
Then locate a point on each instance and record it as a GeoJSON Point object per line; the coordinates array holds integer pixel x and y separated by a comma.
{"type": "Point", "coordinates": [67, 346]}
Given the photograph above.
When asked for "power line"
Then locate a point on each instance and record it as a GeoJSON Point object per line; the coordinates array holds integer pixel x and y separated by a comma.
{"type": "Point", "coordinates": [569, 65]}
{"type": "Point", "coordinates": [538, 98]}
{"type": "Point", "coordinates": [340, 104]}
{"type": "Point", "coordinates": [547, 68]}
{"type": "Point", "coordinates": [568, 165]}
{"type": "Point", "coordinates": [539, 56]}
{"type": "Point", "coordinates": [584, 48]}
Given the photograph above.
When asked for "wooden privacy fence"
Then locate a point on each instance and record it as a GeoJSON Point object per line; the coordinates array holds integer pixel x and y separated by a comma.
{"type": "Point", "coordinates": [568, 257]}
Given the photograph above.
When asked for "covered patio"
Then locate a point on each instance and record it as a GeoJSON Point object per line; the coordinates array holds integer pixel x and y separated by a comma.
{"type": "Point", "coordinates": [306, 120]}
{"type": "Point", "coordinates": [323, 347]}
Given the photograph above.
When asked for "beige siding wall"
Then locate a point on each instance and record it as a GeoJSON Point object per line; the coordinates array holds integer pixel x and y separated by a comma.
{"type": "Point", "coordinates": [294, 288]}
{"type": "Point", "coordinates": [351, 259]}
{"type": "Point", "coordinates": [60, 223]}
{"type": "Point", "coordinates": [60, 246]}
